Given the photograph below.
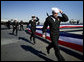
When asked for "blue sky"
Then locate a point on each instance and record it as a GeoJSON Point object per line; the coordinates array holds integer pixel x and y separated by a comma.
{"type": "Point", "coordinates": [23, 10]}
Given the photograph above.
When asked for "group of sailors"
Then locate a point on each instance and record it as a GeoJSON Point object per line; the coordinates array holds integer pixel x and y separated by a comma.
{"type": "Point", "coordinates": [16, 26]}
{"type": "Point", "coordinates": [53, 21]}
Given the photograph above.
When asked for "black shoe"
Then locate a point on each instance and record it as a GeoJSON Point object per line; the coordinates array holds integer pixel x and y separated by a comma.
{"type": "Point", "coordinates": [30, 39]}
{"type": "Point", "coordinates": [61, 58]}
{"type": "Point", "coordinates": [47, 50]}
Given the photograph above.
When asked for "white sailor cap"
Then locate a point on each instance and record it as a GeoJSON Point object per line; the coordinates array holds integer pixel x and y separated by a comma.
{"type": "Point", "coordinates": [55, 10]}
{"type": "Point", "coordinates": [15, 19]}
